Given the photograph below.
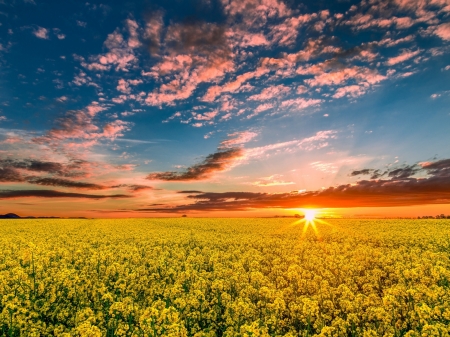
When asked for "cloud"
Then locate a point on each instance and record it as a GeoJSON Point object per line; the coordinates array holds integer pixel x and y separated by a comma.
{"type": "Point", "coordinates": [330, 168]}
{"type": "Point", "coordinates": [120, 54]}
{"type": "Point", "coordinates": [196, 52]}
{"type": "Point", "coordinates": [41, 33]}
{"type": "Point", "coordinates": [189, 192]}
{"type": "Point", "coordinates": [238, 138]}
{"type": "Point", "coordinates": [134, 187]}
{"type": "Point", "coordinates": [350, 90]}
{"type": "Point", "coordinates": [400, 190]}
{"type": "Point", "coordinates": [260, 108]}
{"type": "Point", "coordinates": [319, 140]}
{"type": "Point", "coordinates": [233, 86]}
{"type": "Point", "coordinates": [404, 56]}
{"type": "Point", "coordinates": [201, 37]}
{"type": "Point", "coordinates": [301, 103]}
{"type": "Point", "coordinates": [19, 171]}
{"type": "Point", "coordinates": [8, 194]}
{"type": "Point", "coordinates": [46, 181]}
{"type": "Point", "coordinates": [286, 33]}
{"type": "Point", "coordinates": [219, 161]}
{"type": "Point", "coordinates": [443, 31]}
{"type": "Point", "coordinates": [361, 172]}
{"type": "Point", "coordinates": [78, 126]}
{"type": "Point", "coordinates": [152, 35]}
{"type": "Point", "coordinates": [33, 165]}
{"type": "Point", "coordinates": [275, 91]}
{"type": "Point", "coordinates": [10, 175]}
{"type": "Point", "coordinates": [339, 76]}
{"type": "Point", "coordinates": [273, 180]}
{"type": "Point", "coordinates": [133, 40]}
{"type": "Point", "coordinates": [255, 13]}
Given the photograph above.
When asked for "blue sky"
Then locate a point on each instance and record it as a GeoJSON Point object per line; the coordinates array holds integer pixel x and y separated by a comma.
{"type": "Point", "coordinates": [113, 108]}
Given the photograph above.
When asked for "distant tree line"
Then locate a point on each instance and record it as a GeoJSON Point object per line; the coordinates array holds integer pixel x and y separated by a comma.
{"type": "Point", "coordinates": [440, 216]}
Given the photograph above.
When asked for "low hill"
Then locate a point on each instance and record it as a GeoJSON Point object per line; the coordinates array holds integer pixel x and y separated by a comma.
{"type": "Point", "coordinates": [9, 216]}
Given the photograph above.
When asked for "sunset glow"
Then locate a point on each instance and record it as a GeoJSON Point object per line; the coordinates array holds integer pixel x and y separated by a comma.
{"type": "Point", "coordinates": [224, 108]}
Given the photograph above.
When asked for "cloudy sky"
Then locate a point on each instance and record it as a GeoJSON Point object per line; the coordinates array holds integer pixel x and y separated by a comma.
{"type": "Point", "coordinates": [224, 107]}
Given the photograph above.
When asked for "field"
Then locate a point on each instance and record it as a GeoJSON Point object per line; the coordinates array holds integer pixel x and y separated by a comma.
{"type": "Point", "coordinates": [224, 277]}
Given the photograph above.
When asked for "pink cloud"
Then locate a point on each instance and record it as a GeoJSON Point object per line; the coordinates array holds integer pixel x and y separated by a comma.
{"type": "Point", "coordinates": [317, 141]}
{"type": "Point", "coordinates": [79, 127]}
{"type": "Point", "coordinates": [404, 23]}
{"type": "Point", "coordinates": [286, 33]}
{"type": "Point", "coordinates": [120, 52]}
{"type": "Point", "coordinates": [270, 92]}
{"type": "Point", "coordinates": [238, 138]}
{"type": "Point", "coordinates": [336, 77]}
{"type": "Point", "coordinates": [256, 12]}
{"type": "Point", "coordinates": [41, 33]}
{"type": "Point", "coordinates": [443, 31]}
{"type": "Point", "coordinates": [301, 103]}
{"type": "Point", "coordinates": [197, 53]}
{"type": "Point", "coordinates": [233, 86]}
{"type": "Point", "coordinates": [123, 86]}
{"type": "Point", "coordinates": [114, 129]}
{"type": "Point", "coordinates": [350, 90]}
{"type": "Point", "coordinates": [173, 91]}
{"type": "Point", "coordinates": [207, 116]}
{"type": "Point", "coordinates": [152, 33]}
{"type": "Point", "coordinates": [133, 40]}
{"type": "Point", "coordinates": [388, 42]}
{"type": "Point", "coordinates": [243, 38]}
{"type": "Point", "coordinates": [172, 64]}
{"type": "Point", "coordinates": [404, 56]}
{"type": "Point", "coordinates": [273, 180]}
{"type": "Point", "coordinates": [260, 108]}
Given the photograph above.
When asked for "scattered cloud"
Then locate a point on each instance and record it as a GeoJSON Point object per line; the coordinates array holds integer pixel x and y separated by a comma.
{"type": "Point", "coordinates": [404, 56]}
{"type": "Point", "coordinates": [9, 194]}
{"type": "Point", "coordinates": [443, 31]}
{"type": "Point", "coordinates": [41, 33]}
{"type": "Point", "coordinates": [273, 180]}
{"type": "Point", "coordinates": [219, 161]}
{"type": "Point", "coordinates": [400, 190]}
{"type": "Point", "coordinates": [238, 138]}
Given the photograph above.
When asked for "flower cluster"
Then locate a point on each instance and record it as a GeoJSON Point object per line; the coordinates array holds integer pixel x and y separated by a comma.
{"type": "Point", "coordinates": [224, 277]}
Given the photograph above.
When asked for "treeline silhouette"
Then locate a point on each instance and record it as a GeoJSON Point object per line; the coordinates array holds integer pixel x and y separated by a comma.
{"type": "Point", "coordinates": [440, 216]}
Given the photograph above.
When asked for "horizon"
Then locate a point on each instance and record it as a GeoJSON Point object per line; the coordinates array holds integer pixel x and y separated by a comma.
{"type": "Point", "coordinates": [225, 108]}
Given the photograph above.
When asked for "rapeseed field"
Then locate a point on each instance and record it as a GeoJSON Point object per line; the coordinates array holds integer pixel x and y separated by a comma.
{"type": "Point", "coordinates": [224, 277]}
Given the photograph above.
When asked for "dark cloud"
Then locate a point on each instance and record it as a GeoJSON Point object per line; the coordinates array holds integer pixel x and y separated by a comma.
{"type": "Point", "coordinates": [404, 172]}
{"type": "Point", "coordinates": [152, 36]}
{"type": "Point", "coordinates": [8, 194]}
{"type": "Point", "coordinates": [361, 172]}
{"type": "Point", "coordinates": [134, 187]}
{"type": "Point", "coordinates": [440, 168]}
{"type": "Point", "coordinates": [198, 36]}
{"type": "Point", "coordinates": [33, 165]}
{"type": "Point", "coordinates": [64, 183]}
{"type": "Point", "coordinates": [190, 192]}
{"type": "Point", "coordinates": [216, 162]}
{"type": "Point", "coordinates": [73, 168]}
{"type": "Point", "coordinates": [10, 175]}
{"type": "Point", "coordinates": [400, 190]}
{"type": "Point", "coordinates": [226, 196]}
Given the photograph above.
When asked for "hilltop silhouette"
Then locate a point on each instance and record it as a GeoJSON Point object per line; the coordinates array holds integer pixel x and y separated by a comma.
{"type": "Point", "coordinates": [9, 216]}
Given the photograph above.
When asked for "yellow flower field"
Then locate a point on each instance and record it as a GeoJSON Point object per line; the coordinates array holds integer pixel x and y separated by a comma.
{"type": "Point", "coordinates": [224, 277]}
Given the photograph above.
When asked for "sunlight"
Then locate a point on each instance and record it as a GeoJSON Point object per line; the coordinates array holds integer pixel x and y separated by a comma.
{"type": "Point", "coordinates": [310, 214]}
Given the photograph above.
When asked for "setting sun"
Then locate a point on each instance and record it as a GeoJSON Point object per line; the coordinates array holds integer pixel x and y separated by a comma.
{"type": "Point", "coordinates": [310, 214]}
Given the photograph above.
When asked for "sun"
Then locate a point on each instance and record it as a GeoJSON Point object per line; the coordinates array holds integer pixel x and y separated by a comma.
{"type": "Point", "coordinates": [310, 214]}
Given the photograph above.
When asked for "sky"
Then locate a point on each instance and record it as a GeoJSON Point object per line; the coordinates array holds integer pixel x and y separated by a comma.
{"type": "Point", "coordinates": [224, 108]}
